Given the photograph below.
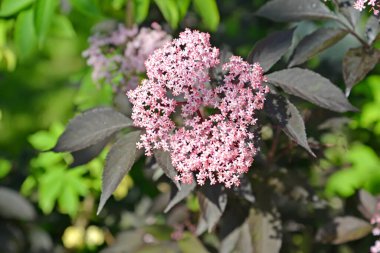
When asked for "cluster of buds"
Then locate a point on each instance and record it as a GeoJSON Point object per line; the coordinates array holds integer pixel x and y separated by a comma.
{"type": "Point", "coordinates": [206, 128]}
{"type": "Point", "coordinates": [117, 55]}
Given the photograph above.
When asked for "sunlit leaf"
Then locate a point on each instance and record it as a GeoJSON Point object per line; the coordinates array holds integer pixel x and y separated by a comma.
{"type": "Point", "coordinates": [11, 7]}
{"type": "Point", "coordinates": [170, 11]}
{"type": "Point", "coordinates": [141, 10]}
{"type": "Point", "coordinates": [43, 16]}
{"type": "Point", "coordinates": [208, 10]}
{"type": "Point", "coordinates": [87, 7]}
{"type": "Point", "coordinates": [25, 35]}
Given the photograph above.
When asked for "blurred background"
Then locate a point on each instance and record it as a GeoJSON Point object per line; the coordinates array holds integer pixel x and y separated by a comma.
{"type": "Point", "coordinates": [49, 205]}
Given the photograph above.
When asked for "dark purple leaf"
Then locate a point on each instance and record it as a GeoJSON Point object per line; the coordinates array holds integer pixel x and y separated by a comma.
{"type": "Point", "coordinates": [234, 230]}
{"type": "Point", "coordinates": [118, 163]}
{"type": "Point", "coordinates": [283, 113]}
{"type": "Point", "coordinates": [314, 43]}
{"type": "Point", "coordinates": [372, 29]}
{"type": "Point", "coordinates": [312, 87]}
{"type": "Point", "coordinates": [357, 63]}
{"type": "Point", "coordinates": [344, 229]}
{"type": "Point", "coordinates": [349, 13]}
{"type": "Point", "coordinates": [367, 204]}
{"type": "Point", "coordinates": [265, 229]}
{"type": "Point", "coordinates": [165, 162]}
{"type": "Point", "coordinates": [91, 127]}
{"type": "Point", "coordinates": [295, 10]}
{"type": "Point", "coordinates": [85, 155]}
{"type": "Point", "coordinates": [270, 49]}
{"type": "Point", "coordinates": [212, 201]}
{"type": "Point", "coordinates": [181, 194]}
{"type": "Point", "coordinates": [15, 206]}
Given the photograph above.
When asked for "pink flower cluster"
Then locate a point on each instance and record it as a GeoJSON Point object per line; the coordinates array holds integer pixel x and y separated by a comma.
{"type": "Point", "coordinates": [117, 56]}
{"type": "Point", "coordinates": [374, 5]}
{"type": "Point", "coordinates": [376, 230]}
{"type": "Point", "coordinates": [173, 106]}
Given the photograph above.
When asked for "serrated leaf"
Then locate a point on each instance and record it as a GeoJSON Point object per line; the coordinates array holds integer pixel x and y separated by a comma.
{"type": "Point", "coordinates": [141, 10]}
{"type": "Point", "coordinates": [87, 7]}
{"type": "Point", "coordinates": [165, 162]}
{"type": "Point", "coordinates": [208, 10]}
{"type": "Point", "coordinates": [285, 114]}
{"type": "Point", "coordinates": [314, 43]}
{"type": "Point", "coordinates": [181, 194]}
{"type": "Point", "coordinates": [118, 163]}
{"type": "Point", "coordinates": [11, 7]}
{"type": "Point", "coordinates": [269, 50]}
{"type": "Point", "coordinates": [295, 10]}
{"type": "Point", "coordinates": [43, 15]}
{"type": "Point", "coordinates": [265, 229]}
{"type": "Point", "coordinates": [372, 28]}
{"type": "Point", "coordinates": [170, 11]}
{"type": "Point", "coordinates": [357, 63]}
{"type": "Point", "coordinates": [344, 229]}
{"type": "Point", "coordinates": [25, 36]}
{"type": "Point", "coordinates": [212, 203]}
{"type": "Point", "coordinates": [14, 206]}
{"type": "Point", "coordinates": [85, 155]}
{"type": "Point", "coordinates": [348, 12]}
{"type": "Point", "coordinates": [367, 204]}
{"type": "Point", "coordinates": [312, 87]}
{"type": "Point", "coordinates": [91, 127]}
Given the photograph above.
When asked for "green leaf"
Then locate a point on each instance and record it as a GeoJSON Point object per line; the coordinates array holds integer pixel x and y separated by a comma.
{"type": "Point", "coordinates": [5, 168]}
{"type": "Point", "coordinates": [62, 27]}
{"type": "Point", "coordinates": [25, 34]}
{"type": "Point", "coordinates": [189, 244]}
{"type": "Point", "coordinates": [344, 229]}
{"type": "Point", "coordinates": [118, 163]}
{"type": "Point", "coordinates": [314, 43]}
{"type": "Point", "coordinates": [14, 206]}
{"type": "Point", "coordinates": [357, 63]}
{"type": "Point", "coordinates": [11, 7]}
{"type": "Point", "coordinates": [183, 6]}
{"type": "Point", "coordinates": [283, 113]}
{"type": "Point", "coordinates": [50, 187]}
{"type": "Point", "coordinates": [170, 11]}
{"type": "Point", "coordinates": [141, 10]}
{"type": "Point", "coordinates": [43, 15]}
{"type": "Point", "coordinates": [165, 162]}
{"type": "Point", "coordinates": [295, 10]}
{"type": "Point", "coordinates": [90, 128]}
{"type": "Point", "coordinates": [270, 49]}
{"type": "Point", "coordinates": [87, 7]}
{"type": "Point", "coordinates": [68, 200]}
{"type": "Point", "coordinates": [208, 10]}
{"type": "Point", "coordinates": [313, 87]}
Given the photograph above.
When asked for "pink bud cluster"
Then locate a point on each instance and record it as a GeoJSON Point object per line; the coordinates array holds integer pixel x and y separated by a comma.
{"type": "Point", "coordinates": [173, 105]}
{"type": "Point", "coordinates": [373, 4]}
{"type": "Point", "coordinates": [376, 230]}
{"type": "Point", "coordinates": [122, 51]}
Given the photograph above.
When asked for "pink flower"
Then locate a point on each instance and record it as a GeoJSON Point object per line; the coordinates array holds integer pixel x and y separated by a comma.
{"type": "Point", "coordinates": [172, 107]}
{"type": "Point", "coordinates": [361, 5]}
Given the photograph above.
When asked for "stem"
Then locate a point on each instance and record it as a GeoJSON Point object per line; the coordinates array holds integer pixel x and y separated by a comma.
{"type": "Point", "coordinates": [129, 17]}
